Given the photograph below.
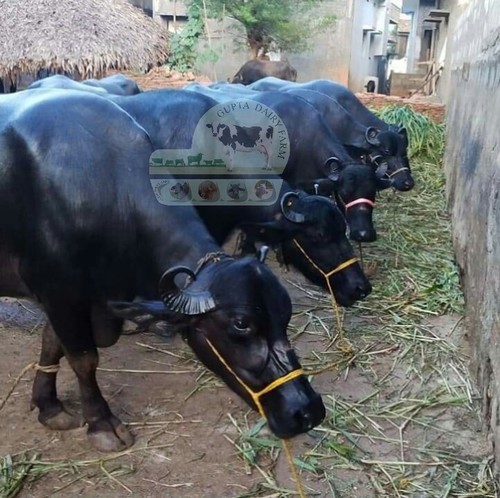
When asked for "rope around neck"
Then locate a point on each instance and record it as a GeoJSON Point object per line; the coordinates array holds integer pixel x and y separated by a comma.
{"type": "Point", "coordinates": [361, 200]}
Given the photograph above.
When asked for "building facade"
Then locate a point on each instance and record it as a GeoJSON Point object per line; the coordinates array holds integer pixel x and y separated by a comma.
{"type": "Point", "coordinates": [353, 51]}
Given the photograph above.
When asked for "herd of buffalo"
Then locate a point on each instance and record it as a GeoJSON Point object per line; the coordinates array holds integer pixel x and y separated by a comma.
{"type": "Point", "coordinates": [82, 232]}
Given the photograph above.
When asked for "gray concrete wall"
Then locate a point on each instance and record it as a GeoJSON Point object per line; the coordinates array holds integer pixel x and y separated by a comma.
{"type": "Point", "coordinates": [328, 58]}
{"type": "Point", "coordinates": [330, 54]}
{"type": "Point", "coordinates": [472, 167]}
{"type": "Point", "coordinates": [367, 46]}
{"type": "Point", "coordinates": [442, 49]}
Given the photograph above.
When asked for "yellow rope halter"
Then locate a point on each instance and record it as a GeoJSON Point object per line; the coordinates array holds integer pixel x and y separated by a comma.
{"type": "Point", "coordinates": [256, 395]}
{"type": "Point", "coordinates": [327, 276]}
{"type": "Point", "coordinates": [397, 171]}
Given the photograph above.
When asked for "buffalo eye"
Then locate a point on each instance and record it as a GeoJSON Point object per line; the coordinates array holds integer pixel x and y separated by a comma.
{"type": "Point", "coordinates": [241, 327]}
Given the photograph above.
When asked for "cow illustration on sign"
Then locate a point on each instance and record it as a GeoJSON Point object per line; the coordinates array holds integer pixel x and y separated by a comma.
{"type": "Point", "coordinates": [236, 138]}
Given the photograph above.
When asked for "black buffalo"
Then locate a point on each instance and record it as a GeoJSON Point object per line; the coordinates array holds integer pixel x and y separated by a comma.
{"type": "Point", "coordinates": [80, 227]}
{"type": "Point", "coordinates": [118, 84]}
{"type": "Point", "coordinates": [112, 85]}
{"type": "Point", "coordinates": [256, 69]}
{"type": "Point", "coordinates": [59, 81]}
{"type": "Point", "coordinates": [317, 154]}
{"type": "Point", "coordinates": [171, 117]}
{"type": "Point", "coordinates": [387, 144]}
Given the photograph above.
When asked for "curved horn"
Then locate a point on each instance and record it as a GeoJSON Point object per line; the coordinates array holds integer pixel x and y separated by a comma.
{"type": "Point", "coordinates": [376, 160]}
{"type": "Point", "coordinates": [371, 136]}
{"type": "Point", "coordinates": [332, 163]}
{"type": "Point", "coordinates": [332, 168]}
{"type": "Point", "coordinates": [287, 210]}
{"type": "Point", "coordinates": [182, 300]}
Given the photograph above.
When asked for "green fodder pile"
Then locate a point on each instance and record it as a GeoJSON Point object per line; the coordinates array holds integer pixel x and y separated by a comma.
{"type": "Point", "coordinates": [426, 137]}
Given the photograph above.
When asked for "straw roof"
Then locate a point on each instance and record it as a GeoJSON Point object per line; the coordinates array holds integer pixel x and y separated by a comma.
{"type": "Point", "coordinates": [78, 36]}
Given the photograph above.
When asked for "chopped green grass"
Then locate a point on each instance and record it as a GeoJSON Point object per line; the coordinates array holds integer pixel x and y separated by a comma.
{"type": "Point", "coordinates": [426, 137]}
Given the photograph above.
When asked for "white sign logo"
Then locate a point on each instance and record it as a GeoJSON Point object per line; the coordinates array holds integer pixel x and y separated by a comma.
{"type": "Point", "coordinates": [238, 150]}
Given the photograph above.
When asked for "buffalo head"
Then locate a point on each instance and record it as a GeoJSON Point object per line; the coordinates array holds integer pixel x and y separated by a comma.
{"type": "Point", "coordinates": [311, 236]}
{"type": "Point", "coordinates": [320, 247]}
{"type": "Point", "coordinates": [355, 187]}
{"type": "Point", "coordinates": [238, 309]}
{"type": "Point", "coordinates": [389, 155]}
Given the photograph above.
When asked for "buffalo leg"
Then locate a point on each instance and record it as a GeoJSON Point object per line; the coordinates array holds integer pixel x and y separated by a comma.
{"type": "Point", "coordinates": [51, 411]}
{"type": "Point", "coordinates": [72, 323]}
{"type": "Point", "coordinates": [105, 431]}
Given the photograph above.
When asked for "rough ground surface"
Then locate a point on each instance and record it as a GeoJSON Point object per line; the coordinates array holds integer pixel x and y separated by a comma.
{"type": "Point", "coordinates": [402, 414]}
{"type": "Point", "coordinates": [182, 426]}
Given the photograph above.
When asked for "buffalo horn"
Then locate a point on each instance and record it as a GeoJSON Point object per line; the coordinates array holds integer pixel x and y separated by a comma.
{"type": "Point", "coordinates": [287, 210]}
{"type": "Point", "coordinates": [184, 301]}
{"type": "Point", "coordinates": [332, 168]}
{"type": "Point", "coordinates": [371, 136]}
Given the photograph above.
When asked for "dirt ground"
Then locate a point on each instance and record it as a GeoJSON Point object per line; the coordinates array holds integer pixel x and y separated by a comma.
{"type": "Point", "coordinates": [182, 426]}
{"type": "Point", "coordinates": [402, 417]}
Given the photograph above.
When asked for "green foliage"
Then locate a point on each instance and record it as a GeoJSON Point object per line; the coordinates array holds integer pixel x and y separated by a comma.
{"type": "Point", "coordinates": [185, 49]}
{"type": "Point", "coordinates": [273, 24]}
{"type": "Point", "coordinates": [425, 136]}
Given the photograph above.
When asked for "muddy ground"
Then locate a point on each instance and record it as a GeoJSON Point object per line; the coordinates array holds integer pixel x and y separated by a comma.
{"type": "Point", "coordinates": [182, 426]}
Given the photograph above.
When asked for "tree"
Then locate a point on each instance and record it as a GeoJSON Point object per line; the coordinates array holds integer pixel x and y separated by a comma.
{"type": "Point", "coordinates": [185, 50]}
{"type": "Point", "coordinates": [271, 24]}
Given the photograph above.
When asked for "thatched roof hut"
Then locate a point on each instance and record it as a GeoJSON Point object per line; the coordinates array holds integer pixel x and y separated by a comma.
{"type": "Point", "coordinates": [81, 37]}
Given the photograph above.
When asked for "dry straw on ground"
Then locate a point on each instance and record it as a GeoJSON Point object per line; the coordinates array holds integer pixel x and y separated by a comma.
{"type": "Point", "coordinates": [401, 408]}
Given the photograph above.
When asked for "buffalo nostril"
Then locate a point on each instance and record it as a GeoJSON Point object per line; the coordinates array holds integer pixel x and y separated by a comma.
{"type": "Point", "coordinates": [363, 291]}
{"type": "Point", "coordinates": [364, 236]}
{"type": "Point", "coordinates": [305, 419]}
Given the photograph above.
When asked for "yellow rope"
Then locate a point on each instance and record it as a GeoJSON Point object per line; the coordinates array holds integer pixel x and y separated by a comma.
{"type": "Point", "coordinates": [293, 468]}
{"type": "Point", "coordinates": [397, 171]}
{"type": "Point", "coordinates": [24, 371]}
{"type": "Point", "coordinates": [327, 276]}
{"type": "Point", "coordinates": [256, 395]}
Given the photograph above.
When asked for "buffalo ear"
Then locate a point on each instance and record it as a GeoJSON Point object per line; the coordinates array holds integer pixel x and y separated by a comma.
{"type": "Point", "coordinates": [403, 133]}
{"type": "Point", "coordinates": [270, 233]}
{"type": "Point", "coordinates": [380, 169]}
{"type": "Point", "coordinates": [383, 183]}
{"type": "Point", "coordinates": [333, 168]}
{"type": "Point", "coordinates": [144, 313]}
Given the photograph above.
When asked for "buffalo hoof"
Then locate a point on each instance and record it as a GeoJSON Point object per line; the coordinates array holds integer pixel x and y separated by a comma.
{"type": "Point", "coordinates": [60, 421]}
{"type": "Point", "coordinates": [109, 435]}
